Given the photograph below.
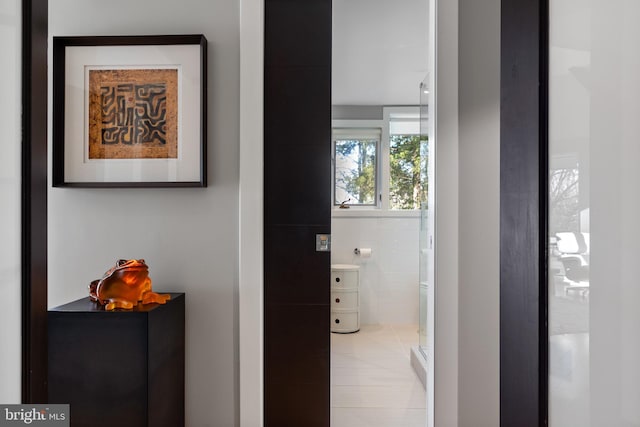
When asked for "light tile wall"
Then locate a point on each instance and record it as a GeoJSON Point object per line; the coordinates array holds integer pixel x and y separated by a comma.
{"type": "Point", "coordinates": [389, 279]}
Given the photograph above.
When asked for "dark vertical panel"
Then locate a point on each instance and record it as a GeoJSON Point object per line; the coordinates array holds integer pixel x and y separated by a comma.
{"type": "Point", "coordinates": [543, 306]}
{"type": "Point", "coordinates": [523, 217]}
{"type": "Point", "coordinates": [119, 369]}
{"type": "Point", "coordinates": [166, 365]}
{"type": "Point", "coordinates": [34, 200]}
{"type": "Point", "coordinates": [297, 207]}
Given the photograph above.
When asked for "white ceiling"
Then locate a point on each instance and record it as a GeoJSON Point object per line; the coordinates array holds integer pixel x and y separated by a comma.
{"type": "Point", "coordinates": [379, 51]}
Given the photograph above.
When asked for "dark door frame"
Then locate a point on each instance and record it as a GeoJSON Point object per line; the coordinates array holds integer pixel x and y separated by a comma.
{"type": "Point", "coordinates": [523, 214]}
{"type": "Point", "coordinates": [34, 200]}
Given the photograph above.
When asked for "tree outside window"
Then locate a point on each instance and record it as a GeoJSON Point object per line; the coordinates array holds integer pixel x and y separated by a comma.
{"type": "Point", "coordinates": [408, 156]}
{"type": "Point", "coordinates": [356, 171]}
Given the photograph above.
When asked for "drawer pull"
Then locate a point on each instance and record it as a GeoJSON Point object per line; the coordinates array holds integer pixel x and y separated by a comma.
{"type": "Point", "coordinates": [337, 299]}
{"type": "Point", "coordinates": [337, 280]}
{"type": "Point", "coordinates": [337, 320]}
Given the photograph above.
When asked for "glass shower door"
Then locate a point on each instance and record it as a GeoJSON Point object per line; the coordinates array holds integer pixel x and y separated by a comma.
{"type": "Point", "coordinates": [426, 238]}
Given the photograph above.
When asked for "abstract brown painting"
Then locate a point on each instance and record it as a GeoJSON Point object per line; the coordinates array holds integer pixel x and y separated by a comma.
{"type": "Point", "coordinates": [133, 114]}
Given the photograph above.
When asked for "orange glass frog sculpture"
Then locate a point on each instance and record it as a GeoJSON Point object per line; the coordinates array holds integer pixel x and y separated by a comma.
{"type": "Point", "coordinates": [124, 286]}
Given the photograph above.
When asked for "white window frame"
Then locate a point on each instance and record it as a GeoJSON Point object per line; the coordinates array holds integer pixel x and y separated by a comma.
{"type": "Point", "coordinates": [383, 178]}
{"type": "Point", "coordinates": [356, 133]}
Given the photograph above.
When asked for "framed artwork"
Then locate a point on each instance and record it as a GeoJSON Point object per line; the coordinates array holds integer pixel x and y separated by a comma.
{"type": "Point", "coordinates": [130, 111]}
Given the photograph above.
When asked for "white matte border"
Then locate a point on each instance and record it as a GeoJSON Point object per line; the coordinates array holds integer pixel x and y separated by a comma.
{"type": "Point", "coordinates": [186, 168]}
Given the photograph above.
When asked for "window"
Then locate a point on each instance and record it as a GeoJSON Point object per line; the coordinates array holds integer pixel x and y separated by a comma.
{"type": "Point", "coordinates": [407, 154]}
{"type": "Point", "coordinates": [407, 164]}
{"type": "Point", "coordinates": [355, 156]}
{"type": "Point", "coordinates": [380, 164]}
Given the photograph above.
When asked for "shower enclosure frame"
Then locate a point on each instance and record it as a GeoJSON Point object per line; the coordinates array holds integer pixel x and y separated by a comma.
{"type": "Point", "coordinates": [426, 280]}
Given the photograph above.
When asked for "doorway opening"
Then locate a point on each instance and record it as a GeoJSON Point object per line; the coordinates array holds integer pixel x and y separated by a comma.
{"type": "Point", "coordinates": [382, 253]}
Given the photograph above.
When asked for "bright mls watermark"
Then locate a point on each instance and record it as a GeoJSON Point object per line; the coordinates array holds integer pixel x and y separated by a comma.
{"type": "Point", "coordinates": [37, 415]}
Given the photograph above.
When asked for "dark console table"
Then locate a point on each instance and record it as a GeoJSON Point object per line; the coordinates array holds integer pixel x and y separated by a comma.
{"type": "Point", "coordinates": [120, 368]}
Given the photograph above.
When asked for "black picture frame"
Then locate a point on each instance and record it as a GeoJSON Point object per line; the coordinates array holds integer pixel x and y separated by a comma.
{"type": "Point", "coordinates": [72, 166]}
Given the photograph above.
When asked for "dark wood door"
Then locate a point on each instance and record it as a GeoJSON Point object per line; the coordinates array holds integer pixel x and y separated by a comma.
{"type": "Point", "coordinates": [297, 178]}
{"type": "Point", "coordinates": [523, 214]}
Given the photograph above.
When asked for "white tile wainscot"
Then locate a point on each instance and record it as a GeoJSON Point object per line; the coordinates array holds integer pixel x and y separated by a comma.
{"type": "Point", "coordinates": [389, 279]}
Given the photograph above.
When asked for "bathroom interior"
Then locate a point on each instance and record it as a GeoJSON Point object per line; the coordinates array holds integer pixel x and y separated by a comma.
{"type": "Point", "coordinates": [382, 230]}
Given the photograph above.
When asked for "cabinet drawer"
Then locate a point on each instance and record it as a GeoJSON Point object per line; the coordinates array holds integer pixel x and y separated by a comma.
{"type": "Point", "coordinates": [344, 279]}
{"type": "Point", "coordinates": [344, 299]}
{"type": "Point", "coordinates": [345, 321]}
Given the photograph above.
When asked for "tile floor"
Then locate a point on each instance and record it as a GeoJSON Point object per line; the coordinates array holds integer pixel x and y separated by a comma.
{"type": "Point", "coordinates": [372, 381]}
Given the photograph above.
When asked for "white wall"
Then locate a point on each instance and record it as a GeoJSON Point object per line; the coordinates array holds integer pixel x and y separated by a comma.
{"type": "Point", "coordinates": [189, 237]}
{"type": "Point", "coordinates": [389, 279]}
{"type": "Point", "coordinates": [251, 271]}
{"type": "Point", "coordinates": [10, 143]}
{"type": "Point", "coordinates": [379, 51]}
{"type": "Point", "coordinates": [445, 372]}
{"type": "Point", "coordinates": [479, 215]}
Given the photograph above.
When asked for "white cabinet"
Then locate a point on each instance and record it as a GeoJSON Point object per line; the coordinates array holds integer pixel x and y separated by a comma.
{"type": "Point", "coordinates": [345, 298]}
